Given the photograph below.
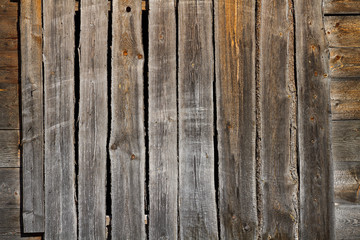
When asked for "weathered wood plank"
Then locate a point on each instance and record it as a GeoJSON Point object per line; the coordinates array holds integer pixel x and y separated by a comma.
{"type": "Point", "coordinates": [8, 29]}
{"type": "Point", "coordinates": [341, 7]}
{"type": "Point", "coordinates": [345, 99]}
{"type": "Point", "coordinates": [9, 106]}
{"type": "Point", "coordinates": [9, 60]}
{"type": "Point", "coordinates": [32, 116]}
{"type": "Point", "coordinates": [8, 8]}
{"type": "Point", "coordinates": [347, 182]}
{"type": "Point", "coordinates": [235, 91]}
{"type": "Point", "coordinates": [8, 45]}
{"type": "Point", "coordinates": [197, 201]}
{"type": "Point", "coordinates": [278, 155]}
{"type": "Point", "coordinates": [127, 140]}
{"type": "Point", "coordinates": [316, 188]}
{"type": "Point", "coordinates": [163, 164]}
{"type": "Point", "coordinates": [346, 141]}
{"type": "Point", "coordinates": [9, 188]}
{"type": "Point", "coordinates": [93, 119]}
{"type": "Point", "coordinates": [343, 31]}
{"type": "Point", "coordinates": [344, 62]}
{"type": "Point", "coordinates": [347, 222]}
{"type": "Point", "coordinates": [9, 148]}
{"type": "Point", "coordinates": [9, 75]}
{"type": "Point", "coordinates": [58, 41]}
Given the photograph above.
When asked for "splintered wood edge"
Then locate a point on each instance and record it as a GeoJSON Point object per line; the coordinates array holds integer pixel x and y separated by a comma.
{"type": "Point", "coordinates": [143, 5]}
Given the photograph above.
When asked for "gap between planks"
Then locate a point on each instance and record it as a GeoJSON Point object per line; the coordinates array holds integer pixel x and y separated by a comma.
{"type": "Point", "coordinates": [143, 6]}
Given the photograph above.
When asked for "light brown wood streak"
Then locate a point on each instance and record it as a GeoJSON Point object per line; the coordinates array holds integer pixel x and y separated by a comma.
{"type": "Point", "coordinates": [343, 31]}
{"type": "Point", "coordinates": [344, 62]}
{"type": "Point", "coordinates": [341, 7]}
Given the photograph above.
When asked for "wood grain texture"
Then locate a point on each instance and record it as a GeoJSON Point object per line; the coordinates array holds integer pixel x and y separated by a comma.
{"type": "Point", "coordinates": [9, 106]}
{"type": "Point", "coordinates": [347, 182]}
{"type": "Point", "coordinates": [315, 162]}
{"type": "Point", "coordinates": [343, 31]}
{"type": "Point", "coordinates": [346, 141]}
{"type": "Point", "coordinates": [163, 162]}
{"type": "Point", "coordinates": [344, 62]}
{"type": "Point", "coordinates": [8, 27]}
{"type": "Point", "coordinates": [235, 91]}
{"type": "Point", "coordinates": [9, 60]}
{"type": "Point", "coordinates": [93, 119]}
{"type": "Point", "coordinates": [127, 140]}
{"type": "Point", "coordinates": [9, 148]}
{"type": "Point", "coordinates": [347, 222]}
{"type": "Point", "coordinates": [278, 101]}
{"type": "Point", "coordinates": [58, 42]}
{"type": "Point", "coordinates": [32, 116]}
{"type": "Point", "coordinates": [197, 201]}
{"type": "Point", "coordinates": [9, 75]}
{"type": "Point", "coordinates": [345, 99]}
{"type": "Point", "coordinates": [8, 45]}
{"type": "Point", "coordinates": [341, 7]}
{"type": "Point", "coordinates": [9, 188]}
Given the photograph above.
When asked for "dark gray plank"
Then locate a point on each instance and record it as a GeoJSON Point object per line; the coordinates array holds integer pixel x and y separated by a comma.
{"type": "Point", "coordinates": [93, 119]}
{"type": "Point", "coordinates": [341, 7]}
{"type": "Point", "coordinates": [127, 140]}
{"type": "Point", "coordinates": [346, 141]}
{"type": "Point", "coordinates": [9, 188]}
{"type": "Point", "coordinates": [343, 31]}
{"type": "Point", "coordinates": [345, 99]}
{"type": "Point", "coordinates": [58, 41]}
{"type": "Point", "coordinates": [163, 175]}
{"type": "Point", "coordinates": [235, 91]}
{"type": "Point", "coordinates": [32, 116]}
{"type": "Point", "coordinates": [197, 203]}
{"type": "Point", "coordinates": [9, 148]}
{"type": "Point", "coordinates": [9, 106]}
{"type": "Point", "coordinates": [344, 62]}
{"type": "Point", "coordinates": [278, 178]}
{"type": "Point", "coordinates": [346, 182]}
{"type": "Point", "coordinates": [316, 188]}
{"type": "Point", "coordinates": [347, 222]}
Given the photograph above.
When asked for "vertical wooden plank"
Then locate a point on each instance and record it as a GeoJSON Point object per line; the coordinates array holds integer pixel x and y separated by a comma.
{"type": "Point", "coordinates": [316, 188]}
{"type": "Point", "coordinates": [32, 116]}
{"type": "Point", "coordinates": [93, 113]}
{"type": "Point", "coordinates": [277, 107]}
{"type": "Point", "coordinates": [197, 201]}
{"type": "Point", "coordinates": [163, 175]}
{"type": "Point", "coordinates": [235, 91]}
{"type": "Point", "coordinates": [58, 40]}
{"type": "Point", "coordinates": [127, 140]}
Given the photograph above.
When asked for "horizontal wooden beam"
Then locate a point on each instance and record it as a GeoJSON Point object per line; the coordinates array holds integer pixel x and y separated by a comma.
{"type": "Point", "coordinates": [143, 5]}
{"type": "Point", "coordinates": [343, 31]}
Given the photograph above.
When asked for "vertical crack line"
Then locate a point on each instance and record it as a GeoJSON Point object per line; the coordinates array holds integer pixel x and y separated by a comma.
{"type": "Point", "coordinates": [177, 113]}
{"type": "Point", "coordinates": [43, 103]}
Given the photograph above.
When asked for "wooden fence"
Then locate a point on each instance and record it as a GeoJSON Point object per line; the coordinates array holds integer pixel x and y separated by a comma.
{"type": "Point", "coordinates": [191, 119]}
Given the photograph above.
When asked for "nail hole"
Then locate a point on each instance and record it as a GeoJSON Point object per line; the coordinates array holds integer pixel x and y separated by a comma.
{"type": "Point", "coordinates": [128, 9]}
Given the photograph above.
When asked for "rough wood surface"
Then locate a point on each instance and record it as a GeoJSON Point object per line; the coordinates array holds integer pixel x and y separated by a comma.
{"type": "Point", "coordinates": [235, 91]}
{"type": "Point", "coordinates": [9, 188]}
{"type": "Point", "coordinates": [9, 60]}
{"type": "Point", "coordinates": [316, 188]}
{"type": "Point", "coordinates": [343, 31]}
{"type": "Point", "coordinates": [8, 45]}
{"type": "Point", "coordinates": [93, 119]}
{"type": "Point", "coordinates": [127, 140]}
{"type": "Point", "coordinates": [8, 27]}
{"type": "Point", "coordinates": [9, 106]}
{"type": "Point", "coordinates": [347, 182]}
{"type": "Point", "coordinates": [32, 116]}
{"type": "Point", "coordinates": [347, 222]}
{"type": "Point", "coordinates": [345, 99]}
{"type": "Point", "coordinates": [58, 41]}
{"type": "Point", "coordinates": [9, 148]}
{"type": "Point", "coordinates": [344, 62]}
{"type": "Point", "coordinates": [197, 201]}
{"type": "Point", "coordinates": [341, 7]}
{"type": "Point", "coordinates": [163, 175]}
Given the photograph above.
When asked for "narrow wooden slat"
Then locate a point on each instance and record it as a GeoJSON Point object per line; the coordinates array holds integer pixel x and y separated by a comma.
{"type": "Point", "coordinates": [344, 62]}
{"type": "Point", "coordinates": [343, 31]}
{"type": "Point", "coordinates": [345, 99]}
{"type": "Point", "coordinates": [93, 119]}
{"type": "Point", "coordinates": [346, 141]}
{"type": "Point", "coordinates": [32, 116]}
{"type": "Point", "coordinates": [197, 203]}
{"type": "Point", "coordinates": [58, 41]}
{"type": "Point", "coordinates": [9, 188]}
{"type": "Point", "coordinates": [235, 91]}
{"type": "Point", "coordinates": [9, 106]}
{"type": "Point", "coordinates": [341, 7]}
{"type": "Point", "coordinates": [163, 175]}
{"type": "Point", "coordinates": [347, 222]}
{"type": "Point", "coordinates": [278, 101]}
{"type": "Point", "coordinates": [9, 148]}
{"type": "Point", "coordinates": [316, 188]}
{"type": "Point", "coordinates": [127, 143]}
{"type": "Point", "coordinates": [347, 182]}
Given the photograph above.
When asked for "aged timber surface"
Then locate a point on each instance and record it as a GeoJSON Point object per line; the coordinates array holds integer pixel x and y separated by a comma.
{"type": "Point", "coordinates": [163, 182]}
{"type": "Point", "coordinates": [347, 222]}
{"type": "Point", "coordinates": [341, 7]}
{"type": "Point", "coordinates": [344, 62]}
{"type": "Point", "coordinates": [235, 91]}
{"type": "Point", "coordinates": [9, 106]}
{"type": "Point", "coordinates": [316, 188]}
{"type": "Point", "coordinates": [346, 182]}
{"type": "Point", "coordinates": [345, 99]}
{"type": "Point", "coordinates": [346, 141]}
{"type": "Point", "coordinates": [127, 140]}
{"type": "Point", "coordinates": [9, 148]}
{"type": "Point", "coordinates": [343, 31]}
{"type": "Point", "coordinates": [58, 41]}
{"type": "Point", "coordinates": [9, 188]}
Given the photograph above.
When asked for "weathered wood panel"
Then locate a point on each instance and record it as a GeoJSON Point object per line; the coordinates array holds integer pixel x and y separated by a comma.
{"type": "Point", "coordinates": [344, 62]}
{"type": "Point", "coordinates": [277, 106]}
{"type": "Point", "coordinates": [8, 75]}
{"type": "Point", "coordinates": [197, 201]}
{"type": "Point", "coordinates": [346, 141]}
{"type": "Point", "coordinates": [8, 27]}
{"type": "Point", "coordinates": [8, 45]}
{"type": "Point", "coordinates": [163, 162]}
{"type": "Point", "coordinates": [9, 60]}
{"type": "Point", "coordinates": [8, 8]}
{"type": "Point", "coordinates": [235, 91]}
{"type": "Point", "coordinates": [9, 106]}
{"type": "Point", "coordinates": [9, 188]}
{"type": "Point", "coordinates": [341, 7]}
{"type": "Point", "coordinates": [93, 119]}
{"type": "Point", "coordinates": [347, 182]}
{"type": "Point", "coordinates": [9, 148]}
{"type": "Point", "coordinates": [347, 222]}
{"type": "Point", "coordinates": [316, 188]}
{"type": "Point", "coordinates": [343, 31]}
{"type": "Point", "coordinates": [32, 116]}
{"type": "Point", "coordinates": [127, 140]}
{"type": "Point", "coordinates": [58, 41]}
{"type": "Point", "coordinates": [345, 99]}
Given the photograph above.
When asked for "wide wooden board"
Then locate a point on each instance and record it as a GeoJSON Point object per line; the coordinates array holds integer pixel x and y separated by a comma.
{"type": "Point", "coordinates": [347, 222]}
{"type": "Point", "coordinates": [344, 62]}
{"type": "Point", "coordinates": [341, 7]}
{"type": "Point", "coordinates": [346, 182]}
{"type": "Point", "coordinates": [346, 141]}
{"type": "Point", "coordinates": [345, 99]}
{"type": "Point", "coordinates": [343, 31]}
